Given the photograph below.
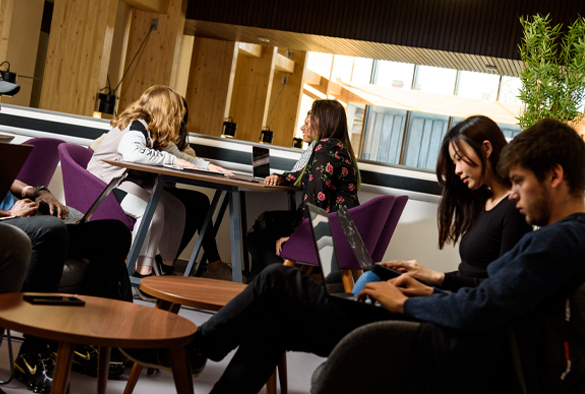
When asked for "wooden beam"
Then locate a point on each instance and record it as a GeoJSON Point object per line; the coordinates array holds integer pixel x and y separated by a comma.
{"type": "Point", "coordinates": [284, 64]}
{"type": "Point", "coordinates": [253, 50]}
{"type": "Point", "coordinates": [6, 7]}
{"type": "Point", "coordinates": [312, 78]}
{"type": "Point", "coordinates": [158, 6]}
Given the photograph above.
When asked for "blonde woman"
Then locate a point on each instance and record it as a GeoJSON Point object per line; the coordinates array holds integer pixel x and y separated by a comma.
{"type": "Point", "coordinates": [144, 133]}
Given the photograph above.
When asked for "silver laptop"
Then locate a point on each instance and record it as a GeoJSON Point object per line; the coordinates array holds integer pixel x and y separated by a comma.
{"type": "Point", "coordinates": [260, 165]}
{"type": "Point", "coordinates": [326, 253]}
{"type": "Point", "coordinates": [359, 248]}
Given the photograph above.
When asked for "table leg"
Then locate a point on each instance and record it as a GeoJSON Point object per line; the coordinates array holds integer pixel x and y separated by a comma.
{"type": "Point", "coordinates": [236, 235]}
{"type": "Point", "coordinates": [62, 368]}
{"type": "Point", "coordinates": [181, 369]}
{"type": "Point", "coordinates": [103, 368]}
{"type": "Point", "coordinates": [133, 378]}
{"type": "Point", "coordinates": [144, 225]}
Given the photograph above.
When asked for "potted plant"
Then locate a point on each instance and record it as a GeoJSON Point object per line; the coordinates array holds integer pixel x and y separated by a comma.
{"type": "Point", "coordinates": [553, 75]}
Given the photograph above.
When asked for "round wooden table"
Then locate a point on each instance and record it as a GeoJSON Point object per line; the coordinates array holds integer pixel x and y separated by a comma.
{"type": "Point", "coordinates": [105, 323]}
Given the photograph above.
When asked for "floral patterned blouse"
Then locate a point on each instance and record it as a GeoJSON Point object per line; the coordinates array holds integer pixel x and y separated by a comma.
{"type": "Point", "coordinates": [330, 178]}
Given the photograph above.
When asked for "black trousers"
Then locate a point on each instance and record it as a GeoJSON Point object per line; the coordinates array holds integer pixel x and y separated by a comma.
{"type": "Point", "coordinates": [196, 206]}
{"type": "Point", "coordinates": [261, 239]}
{"type": "Point", "coordinates": [104, 243]}
{"type": "Point", "coordinates": [282, 309]}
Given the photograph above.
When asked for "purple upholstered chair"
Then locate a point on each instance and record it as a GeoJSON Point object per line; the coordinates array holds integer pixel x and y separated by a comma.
{"type": "Point", "coordinates": [82, 187]}
{"type": "Point", "coordinates": [41, 163]}
{"type": "Point", "coordinates": [375, 222]}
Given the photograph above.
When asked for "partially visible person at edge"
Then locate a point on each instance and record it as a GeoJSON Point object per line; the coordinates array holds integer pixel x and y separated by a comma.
{"type": "Point", "coordinates": [49, 242]}
{"type": "Point", "coordinates": [464, 340]}
{"type": "Point", "coordinates": [474, 207]}
{"type": "Point", "coordinates": [144, 133]}
{"type": "Point", "coordinates": [330, 179]}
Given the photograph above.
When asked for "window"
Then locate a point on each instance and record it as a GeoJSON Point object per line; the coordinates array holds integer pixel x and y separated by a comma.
{"type": "Point", "coordinates": [393, 74]}
{"type": "Point", "coordinates": [509, 90]}
{"type": "Point", "coordinates": [435, 80]}
{"type": "Point", "coordinates": [478, 85]}
{"type": "Point", "coordinates": [424, 135]}
{"type": "Point", "coordinates": [383, 139]}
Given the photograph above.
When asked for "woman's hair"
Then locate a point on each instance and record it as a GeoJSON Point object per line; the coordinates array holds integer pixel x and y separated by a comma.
{"type": "Point", "coordinates": [459, 205]}
{"type": "Point", "coordinates": [161, 108]}
{"type": "Point", "coordinates": [182, 140]}
{"type": "Point", "coordinates": [328, 120]}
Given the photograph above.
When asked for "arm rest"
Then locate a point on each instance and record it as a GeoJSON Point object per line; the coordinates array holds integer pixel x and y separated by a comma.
{"type": "Point", "coordinates": [370, 359]}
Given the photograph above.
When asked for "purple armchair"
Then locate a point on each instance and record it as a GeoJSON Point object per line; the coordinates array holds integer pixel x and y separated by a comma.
{"type": "Point", "coordinates": [41, 163]}
{"type": "Point", "coordinates": [82, 187]}
{"type": "Point", "coordinates": [376, 221]}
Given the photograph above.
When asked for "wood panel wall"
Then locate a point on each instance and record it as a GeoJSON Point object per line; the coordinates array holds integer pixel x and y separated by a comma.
{"type": "Point", "coordinates": [77, 43]}
{"type": "Point", "coordinates": [209, 83]}
{"type": "Point", "coordinates": [481, 27]}
{"type": "Point", "coordinates": [157, 61]}
{"type": "Point", "coordinates": [6, 7]}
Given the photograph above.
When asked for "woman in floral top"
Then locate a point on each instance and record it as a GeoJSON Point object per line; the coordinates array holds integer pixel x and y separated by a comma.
{"type": "Point", "coordinates": [330, 180]}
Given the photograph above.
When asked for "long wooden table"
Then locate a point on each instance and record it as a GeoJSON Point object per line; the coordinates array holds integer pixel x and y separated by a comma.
{"type": "Point", "coordinates": [228, 190]}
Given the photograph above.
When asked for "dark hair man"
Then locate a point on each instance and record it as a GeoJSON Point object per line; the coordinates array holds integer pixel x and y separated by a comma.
{"type": "Point", "coordinates": [463, 341]}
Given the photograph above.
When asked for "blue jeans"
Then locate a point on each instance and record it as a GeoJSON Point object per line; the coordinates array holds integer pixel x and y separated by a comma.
{"type": "Point", "coordinates": [366, 277]}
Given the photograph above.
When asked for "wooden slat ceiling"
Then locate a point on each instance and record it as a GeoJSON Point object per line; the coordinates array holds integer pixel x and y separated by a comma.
{"type": "Point", "coordinates": [348, 47]}
{"type": "Point", "coordinates": [460, 34]}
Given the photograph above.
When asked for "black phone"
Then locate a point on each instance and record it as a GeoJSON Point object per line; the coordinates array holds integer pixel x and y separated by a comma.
{"type": "Point", "coordinates": [53, 300]}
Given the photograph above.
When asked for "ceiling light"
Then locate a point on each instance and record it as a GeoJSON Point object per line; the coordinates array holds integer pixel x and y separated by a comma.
{"type": "Point", "coordinates": [491, 67]}
{"type": "Point", "coordinates": [263, 39]}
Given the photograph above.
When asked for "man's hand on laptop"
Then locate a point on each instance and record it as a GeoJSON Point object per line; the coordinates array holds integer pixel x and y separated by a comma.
{"type": "Point", "coordinates": [214, 167]}
{"type": "Point", "coordinates": [55, 207]}
{"type": "Point", "coordinates": [24, 208]}
{"type": "Point", "coordinates": [388, 295]}
{"type": "Point", "coordinates": [411, 287]}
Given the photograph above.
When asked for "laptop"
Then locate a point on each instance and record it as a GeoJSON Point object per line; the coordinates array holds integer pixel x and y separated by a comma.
{"type": "Point", "coordinates": [326, 253]}
{"type": "Point", "coordinates": [260, 165]}
{"type": "Point", "coordinates": [200, 171]}
{"type": "Point", "coordinates": [12, 158]}
{"type": "Point", "coordinates": [96, 204]}
{"type": "Point", "coordinates": [359, 248]}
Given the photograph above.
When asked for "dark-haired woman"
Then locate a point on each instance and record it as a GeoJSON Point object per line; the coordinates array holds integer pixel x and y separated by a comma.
{"type": "Point", "coordinates": [329, 180]}
{"type": "Point", "coordinates": [474, 207]}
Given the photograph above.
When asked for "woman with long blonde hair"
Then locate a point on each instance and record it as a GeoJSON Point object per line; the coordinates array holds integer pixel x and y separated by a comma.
{"type": "Point", "coordinates": [145, 133]}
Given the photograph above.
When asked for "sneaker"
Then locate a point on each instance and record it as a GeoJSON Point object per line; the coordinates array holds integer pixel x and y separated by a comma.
{"type": "Point", "coordinates": [223, 272]}
{"type": "Point", "coordinates": [158, 359]}
{"type": "Point", "coordinates": [137, 293]}
{"type": "Point", "coordinates": [85, 361]}
{"type": "Point", "coordinates": [161, 268]}
{"type": "Point", "coordinates": [36, 370]}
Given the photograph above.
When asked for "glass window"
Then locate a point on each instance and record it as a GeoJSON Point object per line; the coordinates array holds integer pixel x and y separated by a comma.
{"type": "Point", "coordinates": [510, 131]}
{"type": "Point", "coordinates": [393, 74]}
{"type": "Point", "coordinates": [362, 70]}
{"type": "Point", "coordinates": [424, 135]}
{"type": "Point", "coordinates": [383, 135]}
{"type": "Point", "coordinates": [510, 90]}
{"type": "Point", "coordinates": [342, 68]}
{"type": "Point", "coordinates": [435, 80]}
{"type": "Point", "coordinates": [478, 85]}
{"type": "Point", "coordinates": [355, 121]}
{"type": "Point", "coordinates": [320, 63]}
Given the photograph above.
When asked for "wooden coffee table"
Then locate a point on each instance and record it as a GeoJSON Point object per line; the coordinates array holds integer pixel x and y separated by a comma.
{"type": "Point", "coordinates": [209, 294]}
{"type": "Point", "coordinates": [105, 323]}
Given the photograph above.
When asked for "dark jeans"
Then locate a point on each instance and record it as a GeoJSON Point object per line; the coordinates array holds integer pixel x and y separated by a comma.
{"type": "Point", "coordinates": [196, 207]}
{"type": "Point", "coordinates": [261, 239]}
{"type": "Point", "coordinates": [104, 243]}
{"type": "Point", "coordinates": [282, 309]}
